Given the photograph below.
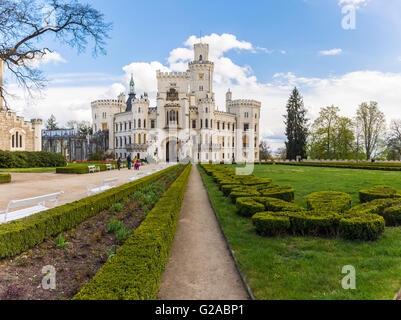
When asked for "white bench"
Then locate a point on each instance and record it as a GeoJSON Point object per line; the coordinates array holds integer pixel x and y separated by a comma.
{"type": "Point", "coordinates": [106, 185]}
{"type": "Point", "coordinates": [93, 169]}
{"type": "Point", "coordinates": [110, 166]}
{"type": "Point", "coordinates": [34, 205]}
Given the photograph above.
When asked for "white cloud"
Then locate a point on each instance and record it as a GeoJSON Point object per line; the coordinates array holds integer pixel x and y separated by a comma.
{"type": "Point", "coordinates": [346, 91]}
{"type": "Point", "coordinates": [355, 3]}
{"type": "Point", "coordinates": [49, 57]}
{"type": "Point", "coordinates": [332, 52]}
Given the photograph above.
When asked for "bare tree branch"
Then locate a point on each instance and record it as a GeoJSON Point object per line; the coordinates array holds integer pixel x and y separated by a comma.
{"type": "Point", "coordinates": [26, 24]}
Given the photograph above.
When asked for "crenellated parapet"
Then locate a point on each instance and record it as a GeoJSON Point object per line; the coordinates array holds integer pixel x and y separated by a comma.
{"type": "Point", "coordinates": [244, 103]}
{"type": "Point", "coordinates": [173, 75]}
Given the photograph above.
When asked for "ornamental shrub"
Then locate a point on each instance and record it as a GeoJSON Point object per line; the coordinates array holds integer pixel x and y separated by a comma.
{"type": "Point", "coordinates": [26, 159]}
{"type": "Point", "coordinates": [329, 201]}
{"type": "Point", "coordinates": [267, 224]}
{"type": "Point", "coordinates": [366, 227]}
{"type": "Point", "coordinates": [5, 178]}
{"type": "Point", "coordinates": [285, 193]}
{"type": "Point", "coordinates": [378, 192]}
{"type": "Point", "coordinates": [278, 205]}
{"type": "Point", "coordinates": [247, 207]}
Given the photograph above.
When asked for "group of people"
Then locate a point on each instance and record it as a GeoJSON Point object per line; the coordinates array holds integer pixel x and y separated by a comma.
{"type": "Point", "coordinates": [129, 162]}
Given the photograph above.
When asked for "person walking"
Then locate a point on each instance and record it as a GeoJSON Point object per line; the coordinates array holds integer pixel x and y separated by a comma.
{"type": "Point", "coordinates": [119, 163]}
{"type": "Point", "coordinates": [129, 160]}
{"type": "Point", "coordinates": [137, 165]}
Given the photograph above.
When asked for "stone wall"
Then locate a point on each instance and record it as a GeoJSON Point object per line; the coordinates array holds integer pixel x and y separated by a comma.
{"type": "Point", "coordinates": [28, 133]}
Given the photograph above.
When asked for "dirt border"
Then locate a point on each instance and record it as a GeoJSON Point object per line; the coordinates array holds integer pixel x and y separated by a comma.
{"type": "Point", "coordinates": [248, 289]}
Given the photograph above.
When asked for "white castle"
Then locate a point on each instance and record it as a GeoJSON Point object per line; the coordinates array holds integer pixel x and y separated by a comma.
{"type": "Point", "coordinates": [185, 123]}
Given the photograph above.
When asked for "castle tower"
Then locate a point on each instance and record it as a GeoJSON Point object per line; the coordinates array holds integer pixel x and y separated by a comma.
{"type": "Point", "coordinates": [201, 70]}
{"type": "Point", "coordinates": [229, 98]}
{"type": "Point", "coordinates": [37, 128]}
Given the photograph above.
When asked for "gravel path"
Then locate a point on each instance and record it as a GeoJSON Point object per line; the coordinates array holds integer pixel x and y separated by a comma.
{"type": "Point", "coordinates": [200, 266]}
{"type": "Point", "coordinates": [27, 185]}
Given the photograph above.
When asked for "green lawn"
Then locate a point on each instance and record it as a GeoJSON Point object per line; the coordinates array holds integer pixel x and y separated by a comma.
{"type": "Point", "coordinates": [307, 267]}
{"type": "Point", "coordinates": [307, 180]}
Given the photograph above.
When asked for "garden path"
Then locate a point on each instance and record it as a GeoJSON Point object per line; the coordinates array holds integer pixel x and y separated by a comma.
{"type": "Point", "coordinates": [200, 266]}
{"type": "Point", "coordinates": [28, 185]}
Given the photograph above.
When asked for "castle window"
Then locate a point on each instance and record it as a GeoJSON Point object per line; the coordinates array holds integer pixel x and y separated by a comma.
{"type": "Point", "coordinates": [200, 88]}
{"type": "Point", "coordinates": [125, 126]}
{"type": "Point", "coordinates": [121, 127]}
{"type": "Point", "coordinates": [201, 124]}
{"type": "Point", "coordinates": [218, 125]}
{"type": "Point", "coordinates": [134, 124]}
{"type": "Point", "coordinates": [224, 125]}
{"type": "Point", "coordinates": [116, 142]}
{"type": "Point", "coordinates": [130, 125]}
{"type": "Point", "coordinates": [211, 124]}
{"type": "Point", "coordinates": [193, 124]}
{"type": "Point", "coordinates": [144, 123]}
{"type": "Point", "coordinates": [139, 123]}
{"type": "Point", "coordinates": [139, 139]}
{"type": "Point", "coordinates": [228, 126]}
{"type": "Point", "coordinates": [13, 141]}
{"type": "Point", "coordinates": [152, 124]}
{"type": "Point", "coordinates": [200, 58]}
{"type": "Point", "coordinates": [207, 110]}
{"type": "Point", "coordinates": [207, 123]}
{"type": "Point", "coordinates": [16, 139]}
{"type": "Point", "coordinates": [246, 126]}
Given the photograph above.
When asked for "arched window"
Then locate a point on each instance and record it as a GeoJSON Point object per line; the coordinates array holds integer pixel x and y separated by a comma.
{"type": "Point", "coordinates": [207, 123]}
{"type": "Point", "coordinates": [144, 123]}
{"type": "Point", "coordinates": [116, 142]}
{"type": "Point", "coordinates": [139, 139]}
{"type": "Point", "coordinates": [139, 123]}
{"type": "Point", "coordinates": [16, 139]}
{"type": "Point", "coordinates": [121, 142]}
{"type": "Point", "coordinates": [200, 58]}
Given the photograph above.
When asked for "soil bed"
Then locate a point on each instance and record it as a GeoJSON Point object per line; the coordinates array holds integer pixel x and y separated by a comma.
{"type": "Point", "coordinates": [89, 246]}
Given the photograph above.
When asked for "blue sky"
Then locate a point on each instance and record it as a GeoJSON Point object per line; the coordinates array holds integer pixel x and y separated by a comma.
{"type": "Point", "coordinates": [273, 45]}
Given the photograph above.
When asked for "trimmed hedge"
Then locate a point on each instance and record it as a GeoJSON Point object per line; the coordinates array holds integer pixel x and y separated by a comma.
{"type": "Point", "coordinates": [378, 192]}
{"type": "Point", "coordinates": [134, 272]}
{"type": "Point", "coordinates": [247, 207]}
{"type": "Point", "coordinates": [26, 159]}
{"type": "Point", "coordinates": [328, 213]}
{"type": "Point", "coordinates": [5, 178]}
{"type": "Point", "coordinates": [20, 235]}
{"type": "Point", "coordinates": [350, 227]}
{"type": "Point", "coordinates": [389, 209]}
{"type": "Point", "coordinates": [80, 169]}
{"type": "Point", "coordinates": [329, 201]}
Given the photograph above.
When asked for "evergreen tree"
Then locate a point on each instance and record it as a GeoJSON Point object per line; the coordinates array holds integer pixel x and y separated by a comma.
{"type": "Point", "coordinates": [52, 123]}
{"type": "Point", "coordinates": [296, 126]}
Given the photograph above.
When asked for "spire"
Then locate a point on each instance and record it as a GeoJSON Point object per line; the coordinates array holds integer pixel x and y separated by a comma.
{"type": "Point", "coordinates": [132, 85]}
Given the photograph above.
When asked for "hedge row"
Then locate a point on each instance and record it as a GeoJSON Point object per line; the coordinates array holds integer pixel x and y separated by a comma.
{"type": "Point", "coordinates": [20, 235]}
{"type": "Point", "coordinates": [332, 201]}
{"type": "Point", "coordinates": [5, 178]}
{"type": "Point", "coordinates": [81, 169]}
{"type": "Point", "coordinates": [25, 159]}
{"type": "Point", "coordinates": [347, 165]}
{"type": "Point", "coordinates": [238, 186]}
{"type": "Point", "coordinates": [366, 227]}
{"type": "Point", "coordinates": [378, 192]}
{"type": "Point", "coordinates": [135, 271]}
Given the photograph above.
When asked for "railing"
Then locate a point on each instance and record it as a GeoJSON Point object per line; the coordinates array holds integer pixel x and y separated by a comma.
{"type": "Point", "coordinates": [136, 147]}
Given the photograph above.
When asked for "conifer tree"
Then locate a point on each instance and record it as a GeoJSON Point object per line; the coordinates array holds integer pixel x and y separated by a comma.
{"type": "Point", "coordinates": [296, 126]}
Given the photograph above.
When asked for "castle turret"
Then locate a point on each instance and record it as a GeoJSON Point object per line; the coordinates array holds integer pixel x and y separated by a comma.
{"type": "Point", "coordinates": [37, 128]}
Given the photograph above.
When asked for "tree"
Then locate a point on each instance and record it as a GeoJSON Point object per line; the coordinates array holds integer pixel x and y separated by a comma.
{"type": "Point", "coordinates": [51, 123]}
{"type": "Point", "coordinates": [394, 141]}
{"type": "Point", "coordinates": [332, 136]}
{"type": "Point", "coordinates": [373, 124]}
{"type": "Point", "coordinates": [323, 133]}
{"type": "Point", "coordinates": [26, 24]}
{"type": "Point", "coordinates": [296, 126]}
{"type": "Point", "coordinates": [83, 127]}
{"type": "Point", "coordinates": [264, 150]}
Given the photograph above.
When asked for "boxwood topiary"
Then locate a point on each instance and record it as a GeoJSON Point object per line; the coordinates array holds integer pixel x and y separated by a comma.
{"type": "Point", "coordinates": [315, 223]}
{"type": "Point", "coordinates": [329, 201]}
{"type": "Point", "coordinates": [366, 227]}
{"type": "Point", "coordinates": [268, 224]}
{"type": "Point", "coordinates": [244, 193]}
{"type": "Point", "coordinates": [277, 205]}
{"type": "Point", "coordinates": [247, 207]}
{"type": "Point", "coordinates": [285, 193]}
{"type": "Point", "coordinates": [378, 192]}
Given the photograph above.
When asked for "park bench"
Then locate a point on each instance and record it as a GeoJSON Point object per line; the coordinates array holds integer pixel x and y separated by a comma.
{"type": "Point", "coordinates": [93, 169]}
{"type": "Point", "coordinates": [29, 207]}
{"type": "Point", "coordinates": [110, 166]}
{"type": "Point", "coordinates": [106, 185]}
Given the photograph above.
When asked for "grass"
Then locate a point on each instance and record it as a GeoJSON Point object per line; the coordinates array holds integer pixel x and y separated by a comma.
{"type": "Point", "coordinates": [303, 268]}
{"type": "Point", "coordinates": [307, 180]}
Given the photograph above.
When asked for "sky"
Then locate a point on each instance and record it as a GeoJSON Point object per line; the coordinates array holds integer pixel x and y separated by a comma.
{"type": "Point", "coordinates": [261, 50]}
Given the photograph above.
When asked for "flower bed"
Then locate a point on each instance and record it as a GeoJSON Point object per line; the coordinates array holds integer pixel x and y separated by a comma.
{"type": "Point", "coordinates": [20, 235]}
